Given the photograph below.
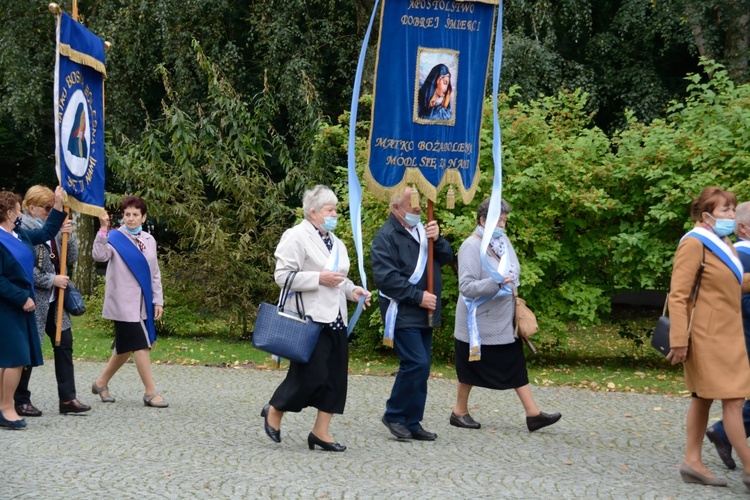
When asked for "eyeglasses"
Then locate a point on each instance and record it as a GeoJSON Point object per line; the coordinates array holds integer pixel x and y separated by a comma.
{"type": "Point", "coordinates": [47, 208]}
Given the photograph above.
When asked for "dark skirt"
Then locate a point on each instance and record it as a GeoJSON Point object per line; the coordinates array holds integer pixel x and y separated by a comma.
{"type": "Point", "coordinates": [501, 367]}
{"type": "Point", "coordinates": [130, 337]}
{"type": "Point", "coordinates": [320, 383]}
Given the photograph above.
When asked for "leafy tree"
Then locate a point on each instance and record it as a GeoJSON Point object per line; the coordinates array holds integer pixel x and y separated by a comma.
{"type": "Point", "coordinates": [203, 172]}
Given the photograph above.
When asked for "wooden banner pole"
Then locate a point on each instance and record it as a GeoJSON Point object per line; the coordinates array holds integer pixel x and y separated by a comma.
{"type": "Point", "coordinates": [430, 267]}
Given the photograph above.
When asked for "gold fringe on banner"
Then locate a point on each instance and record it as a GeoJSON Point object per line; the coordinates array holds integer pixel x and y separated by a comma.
{"type": "Point", "coordinates": [82, 208]}
{"type": "Point", "coordinates": [388, 342]}
{"type": "Point", "coordinates": [81, 58]}
{"type": "Point", "coordinates": [450, 199]}
{"type": "Point", "coordinates": [414, 177]}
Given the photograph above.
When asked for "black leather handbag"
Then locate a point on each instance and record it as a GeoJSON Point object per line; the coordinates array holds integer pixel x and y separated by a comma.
{"type": "Point", "coordinates": [660, 337]}
{"type": "Point", "coordinates": [290, 335]}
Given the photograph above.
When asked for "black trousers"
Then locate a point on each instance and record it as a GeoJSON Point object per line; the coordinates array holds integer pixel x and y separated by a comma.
{"type": "Point", "coordinates": [320, 383]}
{"type": "Point", "coordinates": [66, 385]}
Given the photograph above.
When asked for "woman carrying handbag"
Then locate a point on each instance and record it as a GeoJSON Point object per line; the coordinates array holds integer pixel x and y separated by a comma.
{"type": "Point", "coordinates": [713, 347]}
{"type": "Point", "coordinates": [321, 263]}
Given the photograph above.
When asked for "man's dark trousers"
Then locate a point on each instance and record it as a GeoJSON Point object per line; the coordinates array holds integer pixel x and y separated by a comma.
{"type": "Point", "coordinates": [409, 394]}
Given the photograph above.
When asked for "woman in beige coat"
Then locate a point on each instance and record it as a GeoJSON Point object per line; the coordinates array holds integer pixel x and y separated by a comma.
{"type": "Point", "coordinates": [713, 348]}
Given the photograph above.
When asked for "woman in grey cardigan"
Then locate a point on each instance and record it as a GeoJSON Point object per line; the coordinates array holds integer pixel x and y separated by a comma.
{"type": "Point", "coordinates": [48, 279]}
{"type": "Point", "coordinates": [487, 352]}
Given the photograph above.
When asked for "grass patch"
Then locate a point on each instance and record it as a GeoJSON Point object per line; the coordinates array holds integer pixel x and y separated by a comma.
{"type": "Point", "coordinates": [615, 356]}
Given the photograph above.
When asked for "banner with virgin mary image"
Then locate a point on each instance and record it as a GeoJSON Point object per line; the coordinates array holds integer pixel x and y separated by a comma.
{"type": "Point", "coordinates": [430, 80]}
{"type": "Point", "coordinates": [79, 115]}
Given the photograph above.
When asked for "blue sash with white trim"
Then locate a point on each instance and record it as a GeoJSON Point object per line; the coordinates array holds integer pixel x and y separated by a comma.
{"type": "Point", "coordinates": [138, 265]}
{"type": "Point", "coordinates": [711, 241]}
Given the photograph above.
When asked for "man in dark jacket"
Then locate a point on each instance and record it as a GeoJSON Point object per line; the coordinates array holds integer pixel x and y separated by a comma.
{"type": "Point", "coordinates": [399, 261]}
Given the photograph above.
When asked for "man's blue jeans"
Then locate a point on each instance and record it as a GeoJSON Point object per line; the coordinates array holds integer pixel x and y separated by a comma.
{"type": "Point", "coordinates": [409, 394]}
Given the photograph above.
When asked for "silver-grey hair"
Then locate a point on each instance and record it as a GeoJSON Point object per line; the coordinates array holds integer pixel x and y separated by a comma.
{"type": "Point", "coordinates": [741, 215]}
{"type": "Point", "coordinates": [484, 208]}
{"type": "Point", "coordinates": [316, 198]}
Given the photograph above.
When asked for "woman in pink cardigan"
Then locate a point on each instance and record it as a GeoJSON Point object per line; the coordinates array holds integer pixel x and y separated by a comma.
{"type": "Point", "coordinates": [133, 297]}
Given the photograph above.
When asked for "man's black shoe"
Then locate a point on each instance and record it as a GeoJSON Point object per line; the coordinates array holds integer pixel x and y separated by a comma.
{"type": "Point", "coordinates": [397, 429]}
{"type": "Point", "coordinates": [723, 449]}
{"type": "Point", "coordinates": [423, 435]}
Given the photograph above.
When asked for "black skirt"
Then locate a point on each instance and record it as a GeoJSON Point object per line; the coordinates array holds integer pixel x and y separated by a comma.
{"type": "Point", "coordinates": [501, 367]}
{"type": "Point", "coordinates": [130, 337]}
{"type": "Point", "coordinates": [321, 382]}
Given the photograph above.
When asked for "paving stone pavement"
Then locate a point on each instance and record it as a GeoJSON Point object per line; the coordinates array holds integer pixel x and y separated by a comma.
{"type": "Point", "coordinates": [210, 444]}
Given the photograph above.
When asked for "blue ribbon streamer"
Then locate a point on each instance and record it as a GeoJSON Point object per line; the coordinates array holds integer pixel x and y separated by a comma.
{"type": "Point", "coordinates": [355, 188]}
{"type": "Point", "coordinates": [494, 212]}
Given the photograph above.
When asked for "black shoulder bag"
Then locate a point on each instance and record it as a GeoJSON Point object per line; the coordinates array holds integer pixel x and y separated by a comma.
{"type": "Point", "coordinates": [660, 337]}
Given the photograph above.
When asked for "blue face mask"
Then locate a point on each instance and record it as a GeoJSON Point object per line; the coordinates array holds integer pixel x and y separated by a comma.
{"type": "Point", "coordinates": [329, 223]}
{"type": "Point", "coordinates": [497, 232]}
{"type": "Point", "coordinates": [412, 219]}
{"type": "Point", "coordinates": [133, 231]}
{"type": "Point", "coordinates": [723, 227]}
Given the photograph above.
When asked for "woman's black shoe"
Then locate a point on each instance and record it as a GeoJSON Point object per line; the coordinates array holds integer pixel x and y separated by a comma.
{"type": "Point", "coordinates": [274, 434]}
{"type": "Point", "coordinates": [541, 420]}
{"type": "Point", "coordinates": [464, 421]}
{"type": "Point", "coordinates": [312, 440]}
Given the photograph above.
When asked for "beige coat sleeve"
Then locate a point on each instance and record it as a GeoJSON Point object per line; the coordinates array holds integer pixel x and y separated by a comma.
{"type": "Point", "coordinates": [687, 262]}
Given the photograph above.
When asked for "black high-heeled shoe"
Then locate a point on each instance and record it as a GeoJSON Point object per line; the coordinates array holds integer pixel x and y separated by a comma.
{"type": "Point", "coordinates": [312, 440]}
{"type": "Point", "coordinates": [274, 434]}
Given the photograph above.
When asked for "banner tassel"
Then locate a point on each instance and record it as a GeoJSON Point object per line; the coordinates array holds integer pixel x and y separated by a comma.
{"type": "Point", "coordinates": [450, 199]}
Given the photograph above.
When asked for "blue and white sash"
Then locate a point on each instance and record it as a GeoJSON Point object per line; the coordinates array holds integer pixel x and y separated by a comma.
{"type": "Point", "coordinates": [719, 248]}
{"type": "Point", "coordinates": [502, 270]}
{"type": "Point", "coordinates": [22, 253]}
{"type": "Point", "coordinates": [392, 312]}
{"type": "Point", "coordinates": [333, 259]}
{"type": "Point", "coordinates": [138, 265]}
{"type": "Point", "coordinates": [743, 246]}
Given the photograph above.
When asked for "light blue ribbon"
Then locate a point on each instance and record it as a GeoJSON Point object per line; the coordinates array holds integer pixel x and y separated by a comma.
{"type": "Point", "coordinates": [355, 188]}
{"type": "Point", "coordinates": [494, 212]}
{"type": "Point", "coordinates": [475, 341]}
{"type": "Point", "coordinates": [392, 311]}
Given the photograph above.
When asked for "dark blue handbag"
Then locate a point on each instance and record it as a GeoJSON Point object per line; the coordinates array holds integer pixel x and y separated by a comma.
{"type": "Point", "coordinates": [287, 334]}
{"type": "Point", "coordinates": [73, 300]}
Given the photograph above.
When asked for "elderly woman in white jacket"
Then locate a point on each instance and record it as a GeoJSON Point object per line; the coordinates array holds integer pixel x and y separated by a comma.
{"type": "Point", "coordinates": [321, 262]}
{"type": "Point", "coordinates": [487, 352]}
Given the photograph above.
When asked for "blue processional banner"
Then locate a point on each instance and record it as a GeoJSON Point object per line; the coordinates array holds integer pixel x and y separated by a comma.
{"type": "Point", "coordinates": [430, 78]}
{"type": "Point", "coordinates": [79, 115]}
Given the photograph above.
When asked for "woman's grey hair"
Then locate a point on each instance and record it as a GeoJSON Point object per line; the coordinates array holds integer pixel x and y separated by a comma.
{"type": "Point", "coordinates": [316, 198]}
{"type": "Point", "coordinates": [484, 207]}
